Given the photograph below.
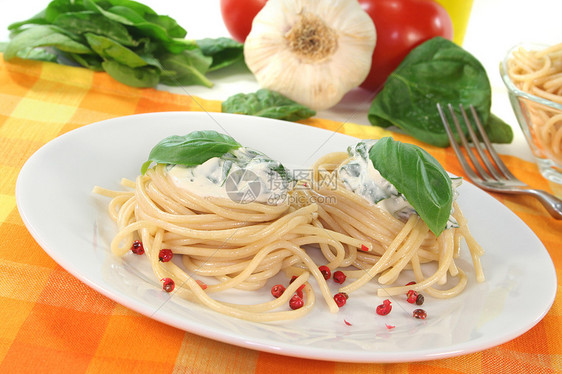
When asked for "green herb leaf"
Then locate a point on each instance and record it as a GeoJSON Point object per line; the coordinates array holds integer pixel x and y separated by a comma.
{"type": "Point", "coordinates": [92, 62]}
{"type": "Point", "coordinates": [38, 19]}
{"type": "Point", "coordinates": [185, 68]}
{"type": "Point", "coordinates": [168, 23]}
{"type": "Point", "coordinates": [91, 22]}
{"type": "Point", "coordinates": [419, 177]}
{"type": "Point", "coordinates": [144, 76]}
{"type": "Point", "coordinates": [139, 8]}
{"type": "Point", "coordinates": [223, 51]}
{"type": "Point", "coordinates": [109, 49]}
{"type": "Point", "coordinates": [190, 150]}
{"type": "Point", "coordinates": [497, 130]}
{"type": "Point", "coordinates": [437, 71]}
{"type": "Point", "coordinates": [128, 39]}
{"type": "Point", "coordinates": [58, 7]}
{"type": "Point", "coordinates": [266, 103]}
{"type": "Point", "coordinates": [43, 36]}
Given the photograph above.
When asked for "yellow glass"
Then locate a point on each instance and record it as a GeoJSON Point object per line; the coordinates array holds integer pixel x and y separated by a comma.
{"type": "Point", "coordinates": [459, 11]}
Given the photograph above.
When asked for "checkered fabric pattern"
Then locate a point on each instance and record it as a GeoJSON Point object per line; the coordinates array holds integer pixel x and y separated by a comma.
{"type": "Point", "coordinates": [51, 322]}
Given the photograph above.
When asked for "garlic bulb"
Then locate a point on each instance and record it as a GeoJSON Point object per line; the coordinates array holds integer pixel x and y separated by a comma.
{"type": "Point", "coordinates": [312, 51]}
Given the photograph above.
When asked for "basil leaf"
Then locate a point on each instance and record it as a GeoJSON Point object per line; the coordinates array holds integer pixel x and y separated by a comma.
{"type": "Point", "coordinates": [437, 71]}
{"type": "Point", "coordinates": [223, 51]}
{"type": "Point", "coordinates": [266, 103]}
{"type": "Point", "coordinates": [190, 150]}
{"type": "Point", "coordinates": [419, 177]}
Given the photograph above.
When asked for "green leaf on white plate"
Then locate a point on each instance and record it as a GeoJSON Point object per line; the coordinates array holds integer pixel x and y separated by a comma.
{"type": "Point", "coordinates": [419, 177]}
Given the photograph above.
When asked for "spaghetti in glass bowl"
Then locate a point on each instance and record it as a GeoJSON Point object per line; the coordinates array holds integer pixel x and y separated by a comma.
{"type": "Point", "coordinates": [532, 74]}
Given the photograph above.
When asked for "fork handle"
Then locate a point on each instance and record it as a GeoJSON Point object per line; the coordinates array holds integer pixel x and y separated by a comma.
{"type": "Point", "coordinates": [552, 204]}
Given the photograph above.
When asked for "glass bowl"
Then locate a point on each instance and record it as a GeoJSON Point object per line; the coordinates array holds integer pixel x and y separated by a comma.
{"type": "Point", "coordinates": [539, 117]}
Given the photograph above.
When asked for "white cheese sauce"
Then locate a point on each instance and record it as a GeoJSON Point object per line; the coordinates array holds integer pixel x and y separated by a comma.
{"type": "Point", "coordinates": [242, 175]}
{"type": "Point", "coordinates": [360, 176]}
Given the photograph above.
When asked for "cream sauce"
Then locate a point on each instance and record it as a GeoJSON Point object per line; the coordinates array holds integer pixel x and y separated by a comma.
{"type": "Point", "coordinates": [242, 175]}
{"type": "Point", "coordinates": [360, 176]}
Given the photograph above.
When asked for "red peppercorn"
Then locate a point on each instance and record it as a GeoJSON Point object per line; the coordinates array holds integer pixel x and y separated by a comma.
{"type": "Point", "coordinates": [325, 271]}
{"type": "Point", "coordinates": [339, 277]}
{"type": "Point", "coordinates": [412, 296]}
{"type": "Point", "coordinates": [277, 290]}
{"type": "Point", "coordinates": [340, 299]}
{"type": "Point", "coordinates": [410, 283]}
{"type": "Point", "coordinates": [420, 314]}
{"type": "Point", "coordinates": [420, 299]}
{"type": "Point", "coordinates": [364, 248]}
{"type": "Point", "coordinates": [137, 248]}
{"type": "Point", "coordinates": [165, 255]}
{"type": "Point", "coordinates": [293, 279]}
{"type": "Point", "coordinates": [299, 291]}
{"type": "Point", "coordinates": [168, 284]}
{"type": "Point", "coordinates": [201, 284]}
{"type": "Point", "coordinates": [384, 308]}
{"type": "Point", "coordinates": [296, 302]}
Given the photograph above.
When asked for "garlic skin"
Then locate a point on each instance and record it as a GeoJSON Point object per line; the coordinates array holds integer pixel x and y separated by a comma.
{"type": "Point", "coordinates": [312, 51]}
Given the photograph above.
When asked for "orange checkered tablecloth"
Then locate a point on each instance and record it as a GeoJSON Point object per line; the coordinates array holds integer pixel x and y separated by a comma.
{"type": "Point", "coordinates": [51, 322]}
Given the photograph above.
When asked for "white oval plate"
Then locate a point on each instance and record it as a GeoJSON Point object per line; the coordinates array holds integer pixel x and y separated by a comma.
{"type": "Point", "coordinates": [70, 223]}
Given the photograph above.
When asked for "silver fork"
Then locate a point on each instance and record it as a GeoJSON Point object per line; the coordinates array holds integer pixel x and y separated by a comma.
{"type": "Point", "coordinates": [491, 174]}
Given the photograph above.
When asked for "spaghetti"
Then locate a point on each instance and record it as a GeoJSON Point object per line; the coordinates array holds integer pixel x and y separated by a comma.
{"type": "Point", "coordinates": [239, 245]}
{"type": "Point", "coordinates": [219, 244]}
{"type": "Point", "coordinates": [397, 244]}
{"type": "Point", "coordinates": [540, 73]}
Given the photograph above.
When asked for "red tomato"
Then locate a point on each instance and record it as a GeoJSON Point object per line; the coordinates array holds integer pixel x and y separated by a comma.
{"type": "Point", "coordinates": [238, 16]}
{"type": "Point", "coordinates": [401, 25]}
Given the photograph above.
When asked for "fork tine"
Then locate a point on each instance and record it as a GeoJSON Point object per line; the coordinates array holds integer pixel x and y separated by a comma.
{"type": "Point", "coordinates": [491, 151]}
{"type": "Point", "coordinates": [476, 142]}
{"type": "Point", "coordinates": [475, 163]}
{"type": "Point", "coordinates": [460, 155]}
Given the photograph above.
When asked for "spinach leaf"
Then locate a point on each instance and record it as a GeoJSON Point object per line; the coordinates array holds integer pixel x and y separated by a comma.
{"type": "Point", "coordinates": [92, 62]}
{"type": "Point", "coordinates": [419, 177]}
{"type": "Point", "coordinates": [42, 36]}
{"type": "Point", "coordinates": [224, 51]}
{"type": "Point", "coordinates": [38, 54]}
{"type": "Point", "coordinates": [154, 30]}
{"type": "Point", "coordinates": [91, 22]}
{"type": "Point", "coordinates": [497, 130]}
{"type": "Point", "coordinates": [266, 103]}
{"type": "Point", "coordinates": [140, 8]}
{"type": "Point", "coordinates": [97, 6]}
{"type": "Point", "coordinates": [38, 19]}
{"type": "Point", "coordinates": [437, 71]}
{"type": "Point", "coordinates": [58, 7]}
{"type": "Point", "coordinates": [108, 49]}
{"type": "Point", "coordinates": [128, 39]}
{"type": "Point", "coordinates": [190, 150]}
{"type": "Point", "coordinates": [168, 23]}
{"type": "Point", "coordinates": [144, 76]}
{"type": "Point", "coordinates": [186, 68]}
